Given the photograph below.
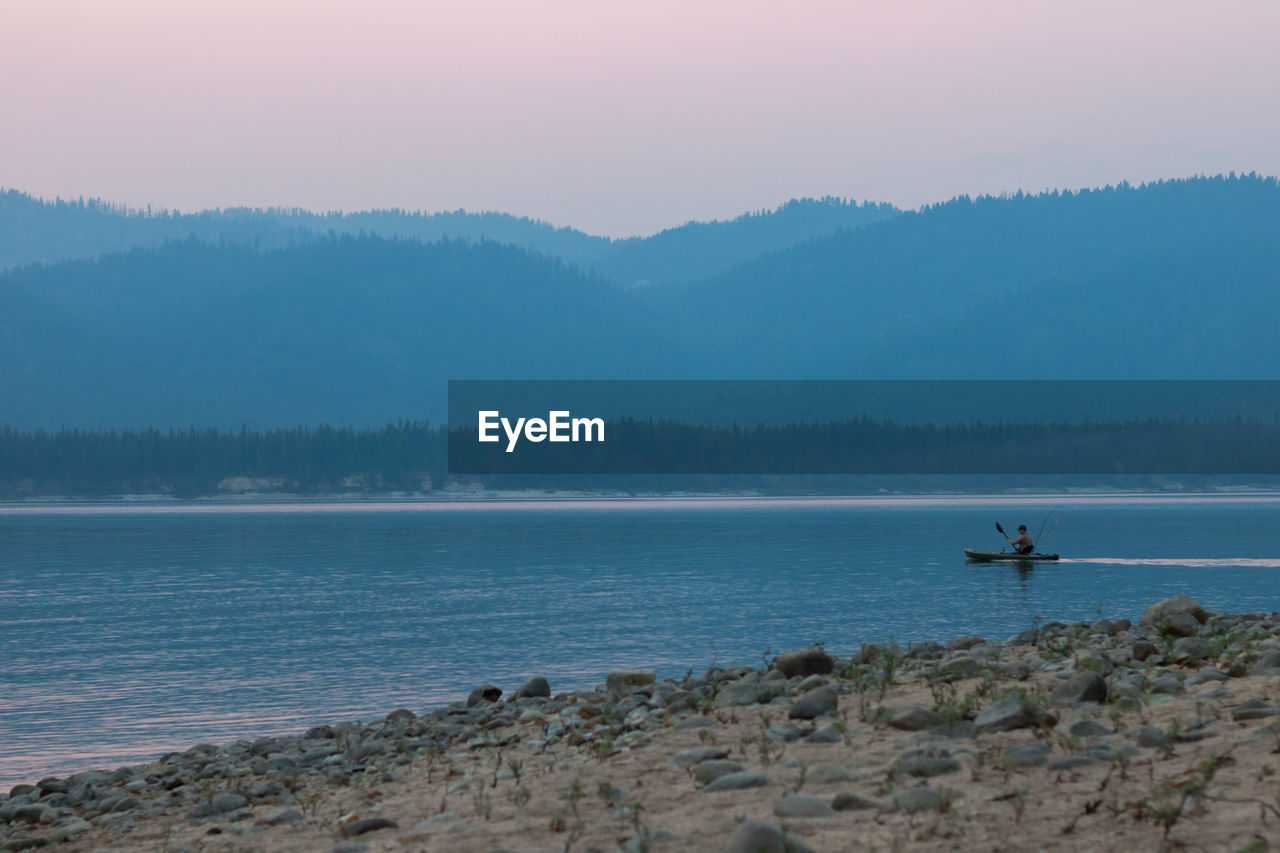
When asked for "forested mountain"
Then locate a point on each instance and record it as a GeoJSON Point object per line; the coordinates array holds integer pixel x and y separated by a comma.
{"type": "Point", "coordinates": [34, 231]}
{"type": "Point", "coordinates": [1176, 279]}
{"type": "Point", "coordinates": [342, 329]}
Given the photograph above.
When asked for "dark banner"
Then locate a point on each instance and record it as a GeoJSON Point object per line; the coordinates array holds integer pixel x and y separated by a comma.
{"type": "Point", "coordinates": [863, 427]}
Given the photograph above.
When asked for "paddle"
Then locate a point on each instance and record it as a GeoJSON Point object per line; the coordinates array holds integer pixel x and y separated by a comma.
{"type": "Point", "coordinates": [1002, 533]}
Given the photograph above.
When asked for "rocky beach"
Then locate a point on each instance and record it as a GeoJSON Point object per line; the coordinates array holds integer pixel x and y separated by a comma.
{"type": "Point", "coordinates": [1104, 735]}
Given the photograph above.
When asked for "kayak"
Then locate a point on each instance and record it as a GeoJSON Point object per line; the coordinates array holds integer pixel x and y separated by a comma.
{"type": "Point", "coordinates": [998, 556]}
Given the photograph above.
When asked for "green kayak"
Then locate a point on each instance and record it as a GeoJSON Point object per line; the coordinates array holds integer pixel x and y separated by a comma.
{"type": "Point", "coordinates": [1005, 556]}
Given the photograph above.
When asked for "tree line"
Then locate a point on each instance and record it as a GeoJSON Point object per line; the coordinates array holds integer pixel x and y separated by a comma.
{"type": "Point", "coordinates": [413, 456]}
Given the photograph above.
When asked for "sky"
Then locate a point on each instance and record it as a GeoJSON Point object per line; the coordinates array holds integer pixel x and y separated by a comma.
{"type": "Point", "coordinates": [624, 118]}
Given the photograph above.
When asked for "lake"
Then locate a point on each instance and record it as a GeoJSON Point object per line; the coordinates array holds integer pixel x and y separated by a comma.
{"type": "Point", "coordinates": [129, 630]}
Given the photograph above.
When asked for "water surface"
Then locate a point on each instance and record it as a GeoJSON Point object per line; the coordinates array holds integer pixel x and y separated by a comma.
{"type": "Point", "coordinates": [130, 630]}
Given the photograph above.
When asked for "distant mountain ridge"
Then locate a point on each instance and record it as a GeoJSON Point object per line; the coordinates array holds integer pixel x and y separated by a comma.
{"type": "Point", "coordinates": [37, 231]}
{"type": "Point", "coordinates": [1173, 279]}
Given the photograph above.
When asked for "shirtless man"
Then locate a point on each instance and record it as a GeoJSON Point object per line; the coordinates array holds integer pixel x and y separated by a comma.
{"type": "Point", "coordinates": [1023, 544]}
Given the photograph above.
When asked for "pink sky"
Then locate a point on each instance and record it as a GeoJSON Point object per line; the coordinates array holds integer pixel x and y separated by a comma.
{"type": "Point", "coordinates": [625, 117]}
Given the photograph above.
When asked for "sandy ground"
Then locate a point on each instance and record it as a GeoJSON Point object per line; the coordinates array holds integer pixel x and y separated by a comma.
{"type": "Point", "coordinates": [514, 793]}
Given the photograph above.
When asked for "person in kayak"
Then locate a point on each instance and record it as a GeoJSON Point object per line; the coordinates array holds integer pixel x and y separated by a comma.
{"type": "Point", "coordinates": [1023, 544]}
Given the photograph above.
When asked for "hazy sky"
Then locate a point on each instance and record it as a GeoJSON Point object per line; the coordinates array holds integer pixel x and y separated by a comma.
{"type": "Point", "coordinates": [625, 117]}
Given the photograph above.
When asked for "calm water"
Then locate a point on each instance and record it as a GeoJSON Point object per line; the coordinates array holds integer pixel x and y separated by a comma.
{"type": "Point", "coordinates": [129, 631]}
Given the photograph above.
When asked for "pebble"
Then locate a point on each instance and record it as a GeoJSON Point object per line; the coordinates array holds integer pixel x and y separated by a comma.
{"type": "Point", "coordinates": [1009, 714]}
{"type": "Point", "coordinates": [915, 719]}
{"type": "Point", "coordinates": [706, 772]}
{"type": "Point", "coordinates": [756, 836]}
{"type": "Point", "coordinates": [825, 774]}
{"type": "Point", "coordinates": [686, 757]}
{"type": "Point", "coordinates": [1254, 709]}
{"type": "Point", "coordinates": [828, 733]}
{"type": "Point", "coordinates": [737, 781]}
{"type": "Point", "coordinates": [1025, 756]}
{"type": "Point", "coordinates": [800, 805]}
{"type": "Point", "coordinates": [849, 801]}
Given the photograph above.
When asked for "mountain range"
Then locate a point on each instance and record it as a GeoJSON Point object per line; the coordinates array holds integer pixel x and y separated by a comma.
{"type": "Point", "coordinates": [112, 317]}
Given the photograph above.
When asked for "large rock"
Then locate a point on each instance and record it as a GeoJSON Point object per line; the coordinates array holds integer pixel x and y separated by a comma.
{"type": "Point", "coordinates": [484, 693]}
{"type": "Point", "coordinates": [1180, 616]}
{"type": "Point", "coordinates": [756, 836]}
{"type": "Point", "coordinates": [816, 703]}
{"type": "Point", "coordinates": [1081, 687]}
{"type": "Point", "coordinates": [1009, 714]}
{"type": "Point", "coordinates": [804, 662]}
{"type": "Point", "coordinates": [534, 688]}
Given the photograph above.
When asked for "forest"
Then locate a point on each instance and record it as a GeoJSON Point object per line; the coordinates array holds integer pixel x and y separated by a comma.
{"type": "Point", "coordinates": [416, 458]}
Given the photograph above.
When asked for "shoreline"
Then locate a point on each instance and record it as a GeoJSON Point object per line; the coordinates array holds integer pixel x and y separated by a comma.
{"type": "Point", "coordinates": [1065, 736]}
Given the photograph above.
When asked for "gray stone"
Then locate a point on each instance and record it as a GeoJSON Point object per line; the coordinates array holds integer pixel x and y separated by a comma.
{"type": "Point", "coordinates": [1191, 649]}
{"type": "Point", "coordinates": [1207, 674]}
{"type": "Point", "coordinates": [1009, 714]}
{"type": "Point", "coordinates": [740, 693]}
{"type": "Point", "coordinates": [825, 774]}
{"type": "Point", "coordinates": [801, 805]}
{"type": "Point", "coordinates": [1143, 650]}
{"type": "Point", "coordinates": [782, 733]}
{"type": "Point", "coordinates": [804, 662]}
{"type": "Point", "coordinates": [71, 831]}
{"type": "Point", "coordinates": [816, 703]}
{"type": "Point", "coordinates": [291, 817]}
{"type": "Point", "coordinates": [1025, 755]}
{"type": "Point", "coordinates": [400, 717]}
{"type": "Point", "coordinates": [125, 804]}
{"type": "Point", "coordinates": [825, 734]}
{"type": "Point", "coordinates": [1180, 616]}
{"type": "Point", "coordinates": [353, 847]}
{"type": "Point", "coordinates": [535, 688]}
{"type": "Point", "coordinates": [484, 693]}
{"type": "Point", "coordinates": [922, 799]}
{"type": "Point", "coordinates": [1168, 685]}
{"type": "Point", "coordinates": [756, 836]}
{"type": "Point", "coordinates": [915, 719]}
{"type": "Point", "coordinates": [1268, 664]}
{"type": "Point", "coordinates": [695, 723]}
{"type": "Point", "coordinates": [706, 772]}
{"type": "Point", "coordinates": [928, 650]}
{"type": "Point", "coordinates": [1149, 737]}
{"type": "Point", "coordinates": [964, 643]}
{"type": "Point", "coordinates": [1087, 728]}
{"type": "Point", "coordinates": [1254, 709]}
{"type": "Point", "coordinates": [1082, 687]}
{"type": "Point", "coordinates": [369, 824]}
{"type": "Point", "coordinates": [696, 755]}
{"type": "Point", "coordinates": [228, 801]}
{"type": "Point", "coordinates": [625, 679]}
{"type": "Point", "coordinates": [848, 801]}
{"type": "Point", "coordinates": [926, 763]}
{"type": "Point", "coordinates": [737, 782]}
{"type": "Point", "coordinates": [34, 813]}
{"type": "Point", "coordinates": [958, 669]}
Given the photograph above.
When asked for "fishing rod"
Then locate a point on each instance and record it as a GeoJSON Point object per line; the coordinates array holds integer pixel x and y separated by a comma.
{"type": "Point", "coordinates": [1042, 526]}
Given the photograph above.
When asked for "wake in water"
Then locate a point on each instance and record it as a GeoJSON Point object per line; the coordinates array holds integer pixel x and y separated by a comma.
{"type": "Point", "coordinates": [1192, 562]}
